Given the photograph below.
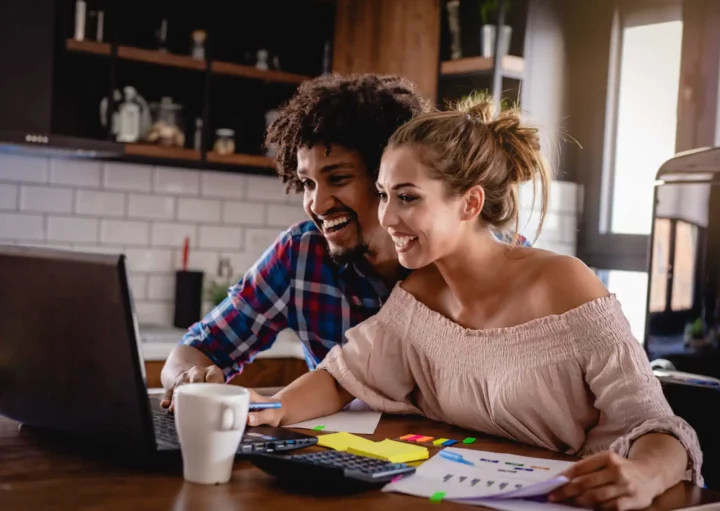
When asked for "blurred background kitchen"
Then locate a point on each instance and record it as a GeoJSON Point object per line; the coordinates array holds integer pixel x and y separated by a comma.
{"type": "Point", "coordinates": [137, 127]}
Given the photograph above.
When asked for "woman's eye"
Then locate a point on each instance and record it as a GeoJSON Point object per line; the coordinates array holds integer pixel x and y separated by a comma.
{"type": "Point", "coordinates": [382, 196]}
{"type": "Point", "coordinates": [407, 199]}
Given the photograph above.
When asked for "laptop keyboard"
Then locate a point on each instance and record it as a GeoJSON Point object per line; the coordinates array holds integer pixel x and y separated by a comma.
{"type": "Point", "coordinates": [164, 425]}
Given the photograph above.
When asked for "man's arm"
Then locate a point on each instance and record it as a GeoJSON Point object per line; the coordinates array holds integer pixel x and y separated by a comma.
{"type": "Point", "coordinates": [245, 323]}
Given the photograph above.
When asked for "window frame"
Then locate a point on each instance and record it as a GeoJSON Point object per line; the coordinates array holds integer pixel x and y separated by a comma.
{"type": "Point", "coordinates": [598, 246]}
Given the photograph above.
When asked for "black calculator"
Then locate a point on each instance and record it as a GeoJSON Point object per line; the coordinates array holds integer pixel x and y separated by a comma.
{"type": "Point", "coordinates": [330, 467]}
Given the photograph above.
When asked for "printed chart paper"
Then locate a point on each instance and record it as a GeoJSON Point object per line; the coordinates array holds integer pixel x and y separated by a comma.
{"type": "Point", "coordinates": [493, 475]}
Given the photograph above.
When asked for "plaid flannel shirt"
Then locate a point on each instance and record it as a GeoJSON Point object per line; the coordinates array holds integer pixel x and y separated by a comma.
{"type": "Point", "coordinates": [295, 284]}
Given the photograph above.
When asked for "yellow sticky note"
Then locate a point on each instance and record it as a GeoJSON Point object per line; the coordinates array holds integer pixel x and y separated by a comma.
{"type": "Point", "coordinates": [341, 441]}
{"type": "Point", "coordinates": [392, 451]}
{"type": "Point", "coordinates": [440, 441]}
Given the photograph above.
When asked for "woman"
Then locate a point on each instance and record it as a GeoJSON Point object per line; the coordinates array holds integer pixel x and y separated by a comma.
{"type": "Point", "coordinates": [511, 341]}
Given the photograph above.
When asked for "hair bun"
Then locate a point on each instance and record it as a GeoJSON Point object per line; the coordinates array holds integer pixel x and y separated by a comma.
{"type": "Point", "coordinates": [478, 108]}
{"type": "Point", "coordinates": [515, 138]}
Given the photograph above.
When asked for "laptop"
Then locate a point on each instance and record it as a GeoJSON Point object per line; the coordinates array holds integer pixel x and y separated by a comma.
{"type": "Point", "coordinates": [71, 359]}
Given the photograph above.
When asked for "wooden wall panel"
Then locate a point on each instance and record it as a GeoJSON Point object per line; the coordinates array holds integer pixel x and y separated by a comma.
{"type": "Point", "coordinates": [389, 37]}
{"type": "Point", "coordinates": [699, 71]}
{"type": "Point", "coordinates": [263, 372]}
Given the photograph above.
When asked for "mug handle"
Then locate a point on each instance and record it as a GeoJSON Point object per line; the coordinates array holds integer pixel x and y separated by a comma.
{"type": "Point", "coordinates": [228, 418]}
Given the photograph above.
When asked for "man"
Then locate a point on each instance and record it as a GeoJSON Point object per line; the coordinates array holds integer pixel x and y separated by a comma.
{"type": "Point", "coordinates": [322, 276]}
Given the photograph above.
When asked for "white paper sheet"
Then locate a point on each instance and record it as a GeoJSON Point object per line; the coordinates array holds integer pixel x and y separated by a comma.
{"type": "Point", "coordinates": [361, 422]}
{"type": "Point", "coordinates": [519, 505]}
{"type": "Point", "coordinates": [494, 475]}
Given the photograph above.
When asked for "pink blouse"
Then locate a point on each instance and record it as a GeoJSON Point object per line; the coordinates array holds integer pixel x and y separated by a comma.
{"type": "Point", "coordinates": [578, 382]}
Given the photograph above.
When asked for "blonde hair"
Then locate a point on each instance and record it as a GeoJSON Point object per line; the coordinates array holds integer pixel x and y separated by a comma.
{"type": "Point", "coordinates": [470, 146]}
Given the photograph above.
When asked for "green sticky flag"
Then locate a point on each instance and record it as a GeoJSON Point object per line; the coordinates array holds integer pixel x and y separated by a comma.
{"type": "Point", "coordinates": [318, 428]}
{"type": "Point", "coordinates": [437, 496]}
{"type": "Point", "coordinates": [469, 440]}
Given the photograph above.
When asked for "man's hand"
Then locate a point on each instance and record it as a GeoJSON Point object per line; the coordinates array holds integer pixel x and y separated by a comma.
{"type": "Point", "coordinates": [196, 374]}
{"type": "Point", "coordinates": [608, 481]}
{"type": "Point", "coordinates": [271, 416]}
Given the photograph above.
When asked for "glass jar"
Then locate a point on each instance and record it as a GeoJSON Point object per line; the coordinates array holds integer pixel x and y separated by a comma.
{"type": "Point", "coordinates": [224, 141]}
{"type": "Point", "coordinates": [168, 127]}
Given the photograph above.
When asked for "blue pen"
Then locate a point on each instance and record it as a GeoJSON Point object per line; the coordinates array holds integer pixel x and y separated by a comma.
{"type": "Point", "coordinates": [265, 406]}
{"type": "Point", "coordinates": [452, 456]}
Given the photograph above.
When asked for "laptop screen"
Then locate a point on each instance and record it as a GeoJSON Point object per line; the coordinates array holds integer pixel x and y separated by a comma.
{"type": "Point", "coordinates": [684, 276]}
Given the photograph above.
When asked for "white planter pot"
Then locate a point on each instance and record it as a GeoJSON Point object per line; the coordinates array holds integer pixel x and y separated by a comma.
{"type": "Point", "coordinates": [487, 40]}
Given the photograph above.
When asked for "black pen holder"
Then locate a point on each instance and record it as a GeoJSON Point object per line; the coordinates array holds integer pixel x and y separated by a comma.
{"type": "Point", "coordinates": [188, 298]}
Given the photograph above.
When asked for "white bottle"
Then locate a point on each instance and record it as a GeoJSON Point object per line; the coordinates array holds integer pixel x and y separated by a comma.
{"type": "Point", "coordinates": [129, 117]}
{"type": "Point", "coordinates": [80, 15]}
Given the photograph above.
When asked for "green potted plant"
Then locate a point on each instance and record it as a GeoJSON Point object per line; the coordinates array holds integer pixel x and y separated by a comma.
{"type": "Point", "coordinates": [488, 31]}
{"type": "Point", "coordinates": [695, 334]}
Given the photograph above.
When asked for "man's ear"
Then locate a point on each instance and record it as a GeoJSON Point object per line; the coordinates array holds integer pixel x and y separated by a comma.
{"type": "Point", "coordinates": [472, 204]}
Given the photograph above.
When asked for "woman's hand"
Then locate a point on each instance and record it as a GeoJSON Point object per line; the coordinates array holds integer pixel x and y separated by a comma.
{"type": "Point", "coordinates": [608, 481]}
{"type": "Point", "coordinates": [271, 416]}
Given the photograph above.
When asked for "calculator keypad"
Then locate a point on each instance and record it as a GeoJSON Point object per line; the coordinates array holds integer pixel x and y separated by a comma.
{"type": "Point", "coordinates": [344, 460]}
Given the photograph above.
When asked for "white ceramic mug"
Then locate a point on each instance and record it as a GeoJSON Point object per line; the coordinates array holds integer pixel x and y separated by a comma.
{"type": "Point", "coordinates": [210, 419]}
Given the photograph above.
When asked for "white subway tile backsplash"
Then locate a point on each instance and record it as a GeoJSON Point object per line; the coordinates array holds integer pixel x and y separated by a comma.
{"type": "Point", "coordinates": [220, 237]}
{"type": "Point", "coordinates": [265, 188]}
{"type": "Point", "coordinates": [151, 206]}
{"type": "Point", "coordinates": [258, 240]}
{"type": "Point", "coordinates": [91, 202]}
{"type": "Point", "coordinates": [23, 169]}
{"type": "Point", "coordinates": [46, 199]}
{"type": "Point", "coordinates": [285, 216]}
{"type": "Point", "coordinates": [557, 227]}
{"type": "Point", "coordinates": [138, 284]}
{"type": "Point", "coordinates": [154, 313]}
{"type": "Point", "coordinates": [73, 172]}
{"type": "Point", "coordinates": [222, 185]}
{"type": "Point", "coordinates": [143, 259]}
{"type": "Point", "coordinates": [199, 210]}
{"type": "Point", "coordinates": [79, 230]}
{"type": "Point", "coordinates": [173, 235]}
{"type": "Point", "coordinates": [245, 213]}
{"type": "Point", "coordinates": [200, 260]}
{"type": "Point", "coordinates": [8, 197]}
{"type": "Point", "coordinates": [176, 181]}
{"type": "Point", "coordinates": [241, 262]}
{"type": "Point", "coordinates": [161, 287]}
{"type": "Point", "coordinates": [99, 249]}
{"type": "Point", "coordinates": [563, 196]}
{"type": "Point", "coordinates": [131, 178]}
{"type": "Point", "coordinates": [17, 226]}
{"type": "Point", "coordinates": [124, 232]}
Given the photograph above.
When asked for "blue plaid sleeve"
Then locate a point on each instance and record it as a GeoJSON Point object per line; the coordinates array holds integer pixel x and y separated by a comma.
{"type": "Point", "coordinates": [256, 309]}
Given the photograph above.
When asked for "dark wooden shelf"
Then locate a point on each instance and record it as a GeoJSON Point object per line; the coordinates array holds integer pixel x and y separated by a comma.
{"type": "Point", "coordinates": [88, 47]}
{"type": "Point", "coordinates": [512, 67]}
{"type": "Point", "coordinates": [160, 58]}
{"type": "Point", "coordinates": [185, 62]}
{"type": "Point", "coordinates": [248, 160]}
{"type": "Point", "coordinates": [158, 151]}
{"type": "Point", "coordinates": [228, 68]}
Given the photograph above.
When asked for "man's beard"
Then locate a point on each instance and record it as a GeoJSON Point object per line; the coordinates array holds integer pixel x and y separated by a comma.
{"type": "Point", "coordinates": [343, 256]}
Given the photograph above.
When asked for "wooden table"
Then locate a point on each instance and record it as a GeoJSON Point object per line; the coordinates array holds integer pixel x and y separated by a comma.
{"type": "Point", "coordinates": [38, 473]}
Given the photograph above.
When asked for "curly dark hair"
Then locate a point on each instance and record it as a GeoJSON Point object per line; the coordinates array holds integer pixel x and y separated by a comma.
{"type": "Point", "coordinates": [356, 111]}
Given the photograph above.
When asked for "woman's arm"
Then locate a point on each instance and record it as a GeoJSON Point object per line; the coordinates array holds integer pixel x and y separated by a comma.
{"type": "Point", "coordinates": [314, 394]}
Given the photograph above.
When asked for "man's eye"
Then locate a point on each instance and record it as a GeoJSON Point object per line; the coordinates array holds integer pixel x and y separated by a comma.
{"type": "Point", "coordinates": [336, 180]}
{"type": "Point", "coordinates": [307, 184]}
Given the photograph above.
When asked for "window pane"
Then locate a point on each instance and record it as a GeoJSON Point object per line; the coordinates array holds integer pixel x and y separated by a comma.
{"type": "Point", "coordinates": [646, 120]}
{"type": "Point", "coordinates": [631, 290]}
{"type": "Point", "coordinates": [660, 265]}
{"type": "Point", "coordinates": [684, 266]}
